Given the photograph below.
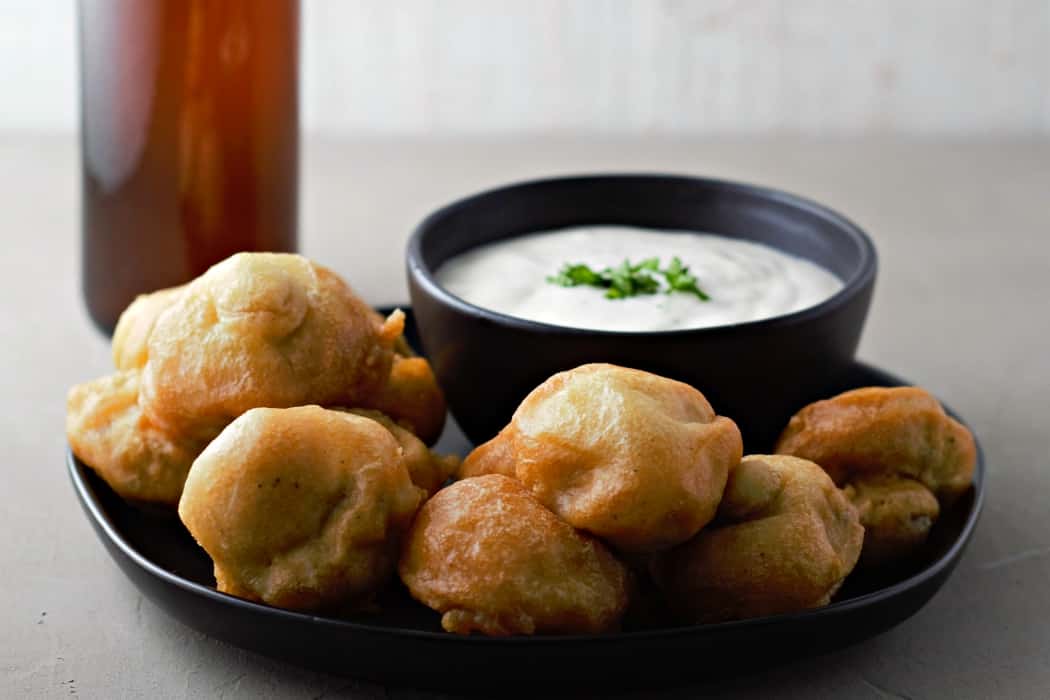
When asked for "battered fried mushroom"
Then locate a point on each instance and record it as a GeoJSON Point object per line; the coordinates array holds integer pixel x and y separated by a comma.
{"type": "Point", "coordinates": [897, 515]}
{"type": "Point", "coordinates": [301, 508]}
{"type": "Point", "coordinates": [897, 454]}
{"type": "Point", "coordinates": [412, 396]}
{"type": "Point", "coordinates": [884, 430]}
{"type": "Point", "coordinates": [634, 458]}
{"type": "Point", "coordinates": [496, 456]}
{"type": "Point", "coordinates": [263, 329]}
{"type": "Point", "coordinates": [427, 469]}
{"type": "Point", "coordinates": [784, 540]}
{"type": "Point", "coordinates": [489, 557]}
{"type": "Point", "coordinates": [109, 433]}
{"type": "Point", "coordinates": [131, 335]}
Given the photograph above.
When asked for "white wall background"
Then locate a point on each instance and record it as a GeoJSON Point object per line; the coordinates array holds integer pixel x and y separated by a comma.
{"type": "Point", "coordinates": [927, 67]}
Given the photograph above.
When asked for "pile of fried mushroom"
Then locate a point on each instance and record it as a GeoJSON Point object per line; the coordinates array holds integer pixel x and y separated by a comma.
{"type": "Point", "coordinates": [284, 418]}
{"type": "Point", "coordinates": [288, 423]}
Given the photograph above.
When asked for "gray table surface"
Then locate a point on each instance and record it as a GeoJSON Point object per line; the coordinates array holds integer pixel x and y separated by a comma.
{"type": "Point", "coordinates": [962, 306]}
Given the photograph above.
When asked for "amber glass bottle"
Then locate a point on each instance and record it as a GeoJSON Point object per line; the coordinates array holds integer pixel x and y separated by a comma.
{"type": "Point", "coordinates": [189, 139]}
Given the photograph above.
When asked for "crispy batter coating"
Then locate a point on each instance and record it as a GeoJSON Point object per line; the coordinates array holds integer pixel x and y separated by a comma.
{"type": "Point", "coordinates": [897, 515]}
{"type": "Point", "coordinates": [784, 540]}
{"type": "Point", "coordinates": [412, 396]}
{"type": "Point", "coordinates": [493, 457]}
{"type": "Point", "coordinates": [427, 469]}
{"type": "Point", "coordinates": [263, 329]}
{"type": "Point", "coordinates": [880, 430]}
{"type": "Point", "coordinates": [301, 508]}
{"type": "Point", "coordinates": [109, 433]}
{"type": "Point", "coordinates": [489, 557]}
{"type": "Point", "coordinates": [130, 337]}
{"type": "Point", "coordinates": [897, 453]}
{"type": "Point", "coordinates": [634, 458]}
{"type": "Point", "coordinates": [258, 329]}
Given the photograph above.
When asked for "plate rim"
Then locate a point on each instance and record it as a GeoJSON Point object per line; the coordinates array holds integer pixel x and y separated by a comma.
{"type": "Point", "coordinates": [97, 514]}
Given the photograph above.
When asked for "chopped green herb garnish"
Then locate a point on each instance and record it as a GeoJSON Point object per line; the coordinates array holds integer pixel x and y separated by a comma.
{"type": "Point", "coordinates": [627, 280]}
{"type": "Point", "coordinates": [574, 275]}
{"type": "Point", "coordinates": [679, 280]}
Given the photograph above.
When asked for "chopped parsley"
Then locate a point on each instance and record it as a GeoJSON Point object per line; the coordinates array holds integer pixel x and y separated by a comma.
{"type": "Point", "coordinates": [630, 280]}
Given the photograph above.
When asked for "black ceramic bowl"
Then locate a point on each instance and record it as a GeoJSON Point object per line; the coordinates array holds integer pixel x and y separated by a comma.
{"type": "Point", "coordinates": [758, 373]}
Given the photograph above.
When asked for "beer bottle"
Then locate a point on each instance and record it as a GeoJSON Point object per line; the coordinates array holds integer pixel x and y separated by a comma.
{"type": "Point", "coordinates": [189, 140]}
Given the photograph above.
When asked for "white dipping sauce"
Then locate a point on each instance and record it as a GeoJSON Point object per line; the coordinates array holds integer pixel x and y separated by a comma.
{"type": "Point", "coordinates": [746, 281]}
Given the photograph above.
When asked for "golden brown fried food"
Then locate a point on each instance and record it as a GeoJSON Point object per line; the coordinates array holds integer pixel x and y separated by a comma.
{"type": "Point", "coordinates": [496, 456]}
{"type": "Point", "coordinates": [258, 329]}
{"type": "Point", "coordinates": [634, 458]}
{"type": "Point", "coordinates": [412, 396]}
{"type": "Point", "coordinates": [784, 540]}
{"type": "Point", "coordinates": [897, 454]}
{"type": "Point", "coordinates": [109, 433]}
{"type": "Point", "coordinates": [301, 508]}
{"type": "Point", "coordinates": [427, 469]}
{"type": "Point", "coordinates": [880, 430]}
{"type": "Point", "coordinates": [130, 337]}
{"type": "Point", "coordinates": [897, 515]}
{"type": "Point", "coordinates": [489, 557]}
{"type": "Point", "coordinates": [263, 329]}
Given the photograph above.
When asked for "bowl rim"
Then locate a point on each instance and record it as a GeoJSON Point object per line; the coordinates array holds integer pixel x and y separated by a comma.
{"type": "Point", "coordinates": [102, 522]}
{"type": "Point", "coordinates": [862, 278]}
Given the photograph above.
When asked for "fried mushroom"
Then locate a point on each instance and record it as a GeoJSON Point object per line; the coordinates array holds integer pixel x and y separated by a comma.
{"type": "Point", "coordinates": [301, 508]}
{"type": "Point", "coordinates": [497, 456]}
{"type": "Point", "coordinates": [899, 456]}
{"type": "Point", "coordinates": [131, 336]}
{"type": "Point", "coordinates": [263, 329]}
{"type": "Point", "coordinates": [784, 540]}
{"type": "Point", "coordinates": [412, 396]}
{"type": "Point", "coordinates": [492, 559]}
{"type": "Point", "coordinates": [897, 515]}
{"type": "Point", "coordinates": [427, 469]}
{"type": "Point", "coordinates": [879, 430]}
{"type": "Point", "coordinates": [634, 458]}
{"type": "Point", "coordinates": [107, 430]}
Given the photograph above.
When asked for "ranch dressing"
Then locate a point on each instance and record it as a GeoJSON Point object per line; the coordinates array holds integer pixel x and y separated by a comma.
{"type": "Point", "coordinates": [746, 281]}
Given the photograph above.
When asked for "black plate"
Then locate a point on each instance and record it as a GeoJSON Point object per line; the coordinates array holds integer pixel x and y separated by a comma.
{"type": "Point", "coordinates": [404, 644]}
